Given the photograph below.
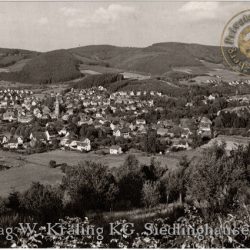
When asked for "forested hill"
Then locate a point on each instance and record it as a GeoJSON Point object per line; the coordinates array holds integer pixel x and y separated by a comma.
{"type": "Point", "coordinates": [63, 65]}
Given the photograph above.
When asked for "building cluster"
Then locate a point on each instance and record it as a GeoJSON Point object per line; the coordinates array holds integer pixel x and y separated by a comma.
{"type": "Point", "coordinates": [118, 115]}
{"type": "Point", "coordinates": [241, 82]}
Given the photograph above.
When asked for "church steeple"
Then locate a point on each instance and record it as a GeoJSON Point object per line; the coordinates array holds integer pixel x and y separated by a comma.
{"type": "Point", "coordinates": [57, 107]}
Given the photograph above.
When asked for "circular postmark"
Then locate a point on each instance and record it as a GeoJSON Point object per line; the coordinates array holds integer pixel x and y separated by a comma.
{"type": "Point", "coordinates": [235, 42]}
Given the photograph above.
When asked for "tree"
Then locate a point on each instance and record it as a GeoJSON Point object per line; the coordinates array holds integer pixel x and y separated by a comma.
{"type": "Point", "coordinates": [3, 208]}
{"type": "Point", "coordinates": [150, 142]}
{"type": "Point", "coordinates": [83, 130]}
{"type": "Point", "coordinates": [90, 186]}
{"type": "Point", "coordinates": [150, 194]}
{"type": "Point", "coordinates": [43, 202]}
{"type": "Point", "coordinates": [218, 122]}
{"type": "Point", "coordinates": [52, 164]}
{"type": "Point", "coordinates": [13, 201]}
{"type": "Point", "coordinates": [175, 181]}
{"type": "Point", "coordinates": [154, 171]}
{"type": "Point", "coordinates": [12, 131]}
{"type": "Point", "coordinates": [217, 180]}
{"type": "Point", "coordinates": [130, 181]}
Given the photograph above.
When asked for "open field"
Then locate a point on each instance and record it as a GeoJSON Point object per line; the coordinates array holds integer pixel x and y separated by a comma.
{"type": "Point", "coordinates": [30, 168]}
{"type": "Point", "coordinates": [18, 66]}
{"type": "Point", "coordinates": [88, 69]}
{"type": "Point", "coordinates": [97, 69]}
{"type": "Point", "coordinates": [4, 70]}
{"type": "Point", "coordinates": [232, 142]}
{"type": "Point", "coordinates": [209, 71]}
{"type": "Point", "coordinates": [137, 76]}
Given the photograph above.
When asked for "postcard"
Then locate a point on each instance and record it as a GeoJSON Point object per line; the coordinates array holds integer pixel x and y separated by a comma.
{"type": "Point", "coordinates": [124, 124]}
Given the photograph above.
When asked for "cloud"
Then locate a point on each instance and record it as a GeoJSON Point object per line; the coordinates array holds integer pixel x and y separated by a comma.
{"type": "Point", "coordinates": [69, 11]}
{"type": "Point", "coordinates": [200, 10]}
{"type": "Point", "coordinates": [103, 16]}
{"type": "Point", "coordinates": [43, 21]}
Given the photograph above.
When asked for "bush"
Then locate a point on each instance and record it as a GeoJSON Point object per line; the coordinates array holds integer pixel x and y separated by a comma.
{"type": "Point", "coordinates": [130, 181]}
{"type": "Point", "coordinates": [63, 167]}
{"type": "Point", "coordinates": [90, 186]}
{"type": "Point", "coordinates": [151, 194]}
{"type": "Point", "coordinates": [3, 208]}
{"type": "Point", "coordinates": [52, 164]}
{"type": "Point", "coordinates": [43, 202]}
{"type": "Point", "coordinates": [219, 182]}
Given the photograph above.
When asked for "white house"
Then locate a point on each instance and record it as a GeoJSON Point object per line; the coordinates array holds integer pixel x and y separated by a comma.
{"type": "Point", "coordinates": [117, 132]}
{"type": "Point", "coordinates": [62, 132]}
{"type": "Point", "coordinates": [140, 122]}
{"type": "Point", "coordinates": [115, 150]}
{"type": "Point", "coordinates": [83, 146]}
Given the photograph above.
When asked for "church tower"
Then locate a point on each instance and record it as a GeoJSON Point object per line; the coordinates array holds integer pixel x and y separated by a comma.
{"type": "Point", "coordinates": [57, 108]}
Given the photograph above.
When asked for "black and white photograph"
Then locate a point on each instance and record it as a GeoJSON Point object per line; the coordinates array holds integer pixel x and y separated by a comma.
{"type": "Point", "coordinates": [124, 124]}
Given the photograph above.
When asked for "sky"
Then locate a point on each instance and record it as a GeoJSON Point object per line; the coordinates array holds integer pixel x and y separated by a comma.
{"type": "Point", "coordinates": [44, 26]}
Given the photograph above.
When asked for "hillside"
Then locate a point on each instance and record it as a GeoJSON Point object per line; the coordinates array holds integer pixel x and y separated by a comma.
{"type": "Point", "coordinates": [9, 57]}
{"type": "Point", "coordinates": [54, 66]}
{"type": "Point", "coordinates": [116, 82]}
{"type": "Point", "coordinates": [63, 65]}
{"type": "Point", "coordinates": [156, 59]}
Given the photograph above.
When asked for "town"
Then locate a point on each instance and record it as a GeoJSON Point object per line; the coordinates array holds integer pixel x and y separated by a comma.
{"type": "Point", "coordinates": [124, 124]}
{"type": "Point", "coordinates": [91, 119]}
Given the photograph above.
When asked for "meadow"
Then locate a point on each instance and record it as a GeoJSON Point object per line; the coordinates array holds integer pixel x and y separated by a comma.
{"type": "Point", "coordinates": [26, 169]}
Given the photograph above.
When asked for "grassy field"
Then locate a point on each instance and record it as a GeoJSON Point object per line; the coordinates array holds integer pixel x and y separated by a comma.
{"type": "Point", "coordinates": [211, 70]}
{"type": "Point", "coordinates": [232, 142]}
{"type": "Point", "coordinates": [31, 168]}
{"type": "Point", "coordinates": [18, 66]}
{"type": "Point", "coordinates": [98, 69]}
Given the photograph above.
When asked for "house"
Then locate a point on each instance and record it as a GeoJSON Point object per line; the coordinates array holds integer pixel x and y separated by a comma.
{"type": "Point", "coordinates": [79, 146]}
{"type": "Point", "coordinates": [211, 98]}
{"type": "Point", "coordinates": [112, 126]}
{"type": "Point", "coordinates": [63, 131]}
{"type": "Point", "coordinates": [65, 117]}
{"type": "Point", "coordinates": [83, 146]}
{"type": "Point", "coordinates": [73, 145]}
{"type": "Point", "coordinates": [125, 133]}
{"type": "Point", "coordinates": [180, 145]}
{"type": "Point", "coordinates": [70, 111]}
{"type": "Point", "coordinates": [142, 129]}
{"type": "Point", "coordinates": [25, 118]}
{"type": "Point", "coordinates": [20, 140]}
{"type": "Point", "coordinates": [186, 133]}
{"type": "Point", "coordinates": [47, 135]}
{"type": "Point", "coordinates": [4, 139]}
{"type": "Point", "coordinates": [115, 150]}
{"type": "Point", "coordinates": [46, 110]}
{"type": "Point", "coordinates": [11, 144]}
{"type": "Point", "coordinates": [9, 116]}
{"type": "Point", "coordinates": [65, 142]}
{"type": "Point", "coordinates": [168, 124]}
{"type": "Point", "coordinates": [45, 117]}
{"type": "Point", "coordinates": [205, 127]}
{"type": "Point", "coordinates": [83, 120]}
{"type": "Point", "coordinates": [39, 136]}
{"type": "Point", "coordinates": [3, 104]}
{"type": "Point", "coordinates": [86, 140]}
{"type": "Point", "coordinates": [132, 126]}
{"type": "Point", "coordinates": [36, 112]}
{"type": "Point", "coordinates": [140, 122]}
{"type": "Point", "coordinates": [117, 132]}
